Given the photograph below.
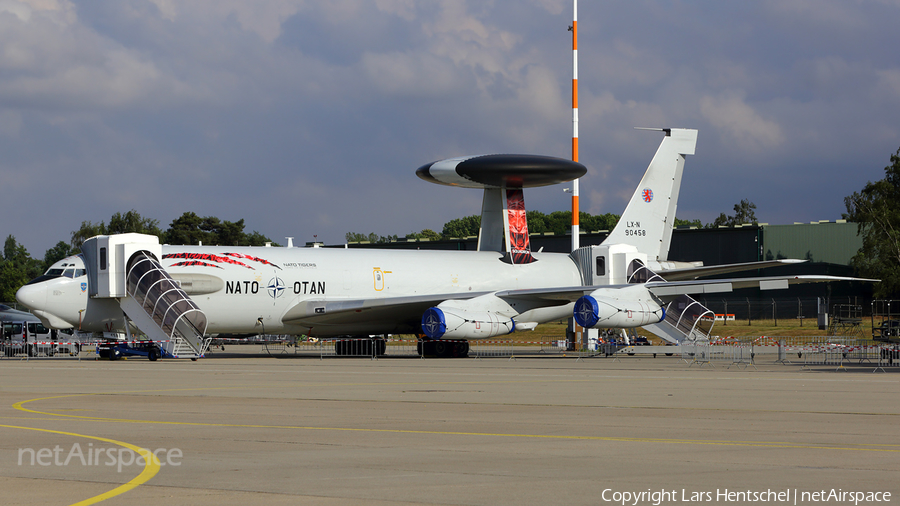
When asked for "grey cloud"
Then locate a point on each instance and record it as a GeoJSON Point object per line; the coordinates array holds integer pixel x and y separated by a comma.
{"type": "Point", "coordinates": [309, 117]}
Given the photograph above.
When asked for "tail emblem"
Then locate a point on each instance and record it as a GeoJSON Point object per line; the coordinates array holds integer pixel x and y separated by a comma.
{"type": "Point", "coordinates": [647, 194]}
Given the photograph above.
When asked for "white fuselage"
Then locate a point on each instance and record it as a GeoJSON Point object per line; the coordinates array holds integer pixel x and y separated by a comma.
{"type": "Point", "coordinates": [249, 289]}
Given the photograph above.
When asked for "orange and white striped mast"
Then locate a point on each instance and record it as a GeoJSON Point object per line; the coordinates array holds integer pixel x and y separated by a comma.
{"type": "Point", "coordinates": [575, 232]}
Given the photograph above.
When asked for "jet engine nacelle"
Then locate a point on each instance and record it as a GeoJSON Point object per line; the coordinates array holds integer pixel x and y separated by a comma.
{"type": "Point", "coordinates": [596, 310]}
{"type": "Point", "coordinates": [452, 323]}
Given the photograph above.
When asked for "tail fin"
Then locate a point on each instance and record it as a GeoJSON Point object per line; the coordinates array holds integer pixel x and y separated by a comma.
{"type": "Point", "coordinates": [648, 220]}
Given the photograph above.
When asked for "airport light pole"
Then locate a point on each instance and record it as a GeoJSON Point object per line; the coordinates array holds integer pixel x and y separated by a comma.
{"type": "Point", "coordinates": [575, 212]}
{"type": "Point", "coordinates": [577, 330]}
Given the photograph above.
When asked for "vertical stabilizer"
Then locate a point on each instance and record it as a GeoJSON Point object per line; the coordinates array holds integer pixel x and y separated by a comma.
{"type": "Point", "coordinates": [649, 217]}
{"type": "Point", "coordinates": [491, 235]}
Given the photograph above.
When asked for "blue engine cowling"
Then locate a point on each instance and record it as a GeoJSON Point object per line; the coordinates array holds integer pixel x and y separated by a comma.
{"type": "Point", "coordinates": [453, 323]}
{"type": "Point", "coordinates": [605, 312]}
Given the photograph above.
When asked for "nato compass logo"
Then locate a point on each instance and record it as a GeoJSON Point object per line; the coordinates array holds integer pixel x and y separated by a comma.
{"type": "Point", "coordinates": [276, 287]}
{"type": "Point", "coordinates": [647, 194]}
{"type": "Point", "coordinates": [433, 323]}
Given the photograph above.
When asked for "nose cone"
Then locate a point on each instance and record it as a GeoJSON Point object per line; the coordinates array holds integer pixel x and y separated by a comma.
{"type": "Point", "coordinates": [33, 296]}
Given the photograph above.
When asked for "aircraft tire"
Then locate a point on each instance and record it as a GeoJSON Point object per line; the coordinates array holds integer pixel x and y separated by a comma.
{"type": "Point", "coordinates": [443, 349]}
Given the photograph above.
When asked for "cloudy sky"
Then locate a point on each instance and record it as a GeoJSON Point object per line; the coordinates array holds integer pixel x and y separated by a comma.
{"type": "Point", "coordinates": [310, 117]}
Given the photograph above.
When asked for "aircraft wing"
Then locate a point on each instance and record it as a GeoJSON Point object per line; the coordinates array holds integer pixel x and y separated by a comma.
{"type": "Point", "coordinates": [712, 270]}
{"type": "Point", "coordinates": [331, 317]}
{"type": "Point", "coordinates": [392, 314]}
{"type": "Point", "coordinates": [669, 289]}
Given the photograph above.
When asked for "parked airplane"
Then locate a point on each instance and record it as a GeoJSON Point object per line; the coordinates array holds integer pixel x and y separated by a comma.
{"type": "Point", "coordinates": [8, 314]}
{"type": "Point", "coordinates": [182, 293]}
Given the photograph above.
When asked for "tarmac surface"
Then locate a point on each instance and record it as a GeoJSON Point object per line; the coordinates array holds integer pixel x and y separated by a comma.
{"type": "Point", "coordinates": [250, 429]}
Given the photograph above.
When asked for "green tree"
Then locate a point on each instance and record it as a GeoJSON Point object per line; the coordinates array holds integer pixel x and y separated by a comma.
{"type": "Point", "coordinates": [462, 227]}
{"type": "Point", "coordinates": [591, 223]}
{"type": "Point", "coordinates": [190, 229]}
{"type": "Point", "coordinates": [687, 223]}
{"type": "Point", "coordinates": [257, 239]}
{"type": "Point", "coordinates": [744, 212]}
{"type": "Point", "coordinates": [427, 234]}
{"type": "Point", "coordinates": [538, 222]}
{"type": "Point", "coordinates": [57, 253]}
{"type": "Point", "coordinates": [85, 232]}
{"type": "Point", "coordinates": [359, 237]}
{"type": "Point", "coordinates": [133, 222]}
{"type": "Point", "coordinates": [130, 222]}
{"type": "Point", "coordinates": [876, 211]}
{"type": "Point", "coordinates": [185, 230]}
{"type": "Point", "coordinates": [16, 268]}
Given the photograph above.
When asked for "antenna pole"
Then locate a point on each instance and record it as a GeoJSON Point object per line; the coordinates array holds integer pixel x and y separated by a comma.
{"type": "Point", "coordinates": [575, 212]}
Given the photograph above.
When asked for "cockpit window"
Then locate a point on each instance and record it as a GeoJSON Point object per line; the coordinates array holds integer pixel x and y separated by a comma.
{"type": "Point", "coordinates": [66, 269]}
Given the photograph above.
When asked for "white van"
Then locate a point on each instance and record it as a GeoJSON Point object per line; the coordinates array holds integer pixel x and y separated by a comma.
{"type": "Point", "coordinates": [33, 339]}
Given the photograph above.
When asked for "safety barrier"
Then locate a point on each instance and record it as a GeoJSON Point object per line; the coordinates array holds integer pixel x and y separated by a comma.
{"type": "Point", "coordinates": [742, 355]}
{"type": "Point", "coordinates": [488, 349]}
{"type": "Point", "coordinates": [697, 351]}
{"type": "Point", "coordinates": [47, 350]}
{"type": "Point", "coordinates": [806, 351]}
{"type": "Point", "coordinates": [743, 352]}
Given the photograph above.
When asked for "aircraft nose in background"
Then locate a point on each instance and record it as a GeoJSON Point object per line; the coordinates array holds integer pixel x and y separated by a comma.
{"type": "Point", "coordinates": [33, 296]}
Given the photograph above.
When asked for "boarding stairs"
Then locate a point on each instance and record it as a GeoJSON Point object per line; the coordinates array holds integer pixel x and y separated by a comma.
{"type": "Point", "coordinates": [686, 320]}
{"type": "Point", "coordinates": [162, 310]}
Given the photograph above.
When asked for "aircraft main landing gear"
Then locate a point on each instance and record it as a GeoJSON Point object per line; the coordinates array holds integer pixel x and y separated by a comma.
{"type": "Point", "coordinates": [450, 348]}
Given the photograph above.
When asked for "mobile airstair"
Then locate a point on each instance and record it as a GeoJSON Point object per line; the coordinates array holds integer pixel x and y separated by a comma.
{"type": "Point", "coordinates": [685, 320]}
{"type": "Point", "coordinates": [125, 267]}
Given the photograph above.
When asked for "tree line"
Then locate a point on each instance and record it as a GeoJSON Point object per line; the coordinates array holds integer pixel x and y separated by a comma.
{"type": "Point", "coordinates": [557, 222]}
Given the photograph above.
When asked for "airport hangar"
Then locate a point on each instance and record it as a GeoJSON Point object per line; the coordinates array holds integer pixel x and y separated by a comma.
{"type": "Point", "coordinates": [828, 247]}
